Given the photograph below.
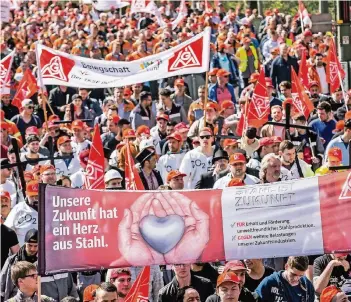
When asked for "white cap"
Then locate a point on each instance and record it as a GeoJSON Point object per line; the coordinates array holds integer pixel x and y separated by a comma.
{"type": "Point", "coordinates": [112, 174]}
{"type": "Point", "coordinates": [146, 143]}
{"type": "Point", "coordinates": [26, 102]}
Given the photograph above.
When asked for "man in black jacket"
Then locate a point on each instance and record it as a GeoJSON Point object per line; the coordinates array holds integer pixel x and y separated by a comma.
{"type": "Point", "coordinates": [220, 161]}
{"type": "Point", "coordinates": [184, 278]}
{"type": "Point", "coordinates": [59, 97]}
{"type": "Point", "coordinates": [150, 177]}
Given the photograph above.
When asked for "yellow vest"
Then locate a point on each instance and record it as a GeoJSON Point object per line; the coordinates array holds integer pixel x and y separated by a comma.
{"type": "Point", "coordinates": [241, 54]}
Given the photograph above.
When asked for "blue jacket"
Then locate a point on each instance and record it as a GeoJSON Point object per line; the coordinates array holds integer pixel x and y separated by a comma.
{"type": "Point", "coordinates": [212, 92]}
{"type": "Point", "coordinates": [276, 288]}
{"type": "Point", "coordinates": [233, 66]}
{"type": "Point", "coordinates": [281, 70]}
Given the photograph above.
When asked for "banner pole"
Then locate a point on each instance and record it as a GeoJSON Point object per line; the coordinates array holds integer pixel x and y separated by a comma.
{"type": "Point", "coordinates": [206, 97]}
{"type": "Point", "coordinates": [39, 288]}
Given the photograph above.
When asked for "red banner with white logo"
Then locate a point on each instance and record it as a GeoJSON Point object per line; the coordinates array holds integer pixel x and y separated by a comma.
{"type": "Point", "coordinates": [335, 73]}
{"type": "Point", "coordinates": [58, 68]}
{"type": "Point", "coordinates": [140, 288]}
{"type": "Point", "coordinates": [308, 216]}
{"type": "Point", "coordinates": [5, 72]}
{"type": "Point", "coordinates": [27, 87]}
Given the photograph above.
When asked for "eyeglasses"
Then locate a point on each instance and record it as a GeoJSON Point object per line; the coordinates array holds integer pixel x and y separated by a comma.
{"type": "Point", "coordinates": [205, 136]}
{"type": "Point", "coordinates": [34, 276]}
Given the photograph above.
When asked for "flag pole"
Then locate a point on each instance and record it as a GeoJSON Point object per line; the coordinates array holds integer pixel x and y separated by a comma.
{"type": "Point", "coordinates": [39, 288]}
{"type": "Point", "coordinates": [206, 97]}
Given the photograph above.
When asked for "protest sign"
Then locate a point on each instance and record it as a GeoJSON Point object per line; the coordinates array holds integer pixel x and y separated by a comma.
{"type": "Point", "coordinates": [90, 229]}
{"type": "Point", "coordinates": [58, 68]}
{"type": "Point", "coordinates": [5, 11]}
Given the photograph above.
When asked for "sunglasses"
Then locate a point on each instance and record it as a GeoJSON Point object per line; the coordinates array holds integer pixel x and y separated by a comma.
{"type": "Point", "coordinates": [30, 107]}
{"type": "Point", "coordinates": [205, 136]}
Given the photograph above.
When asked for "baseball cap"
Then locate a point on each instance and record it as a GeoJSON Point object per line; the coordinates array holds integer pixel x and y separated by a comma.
{"type": "Point", "coordinates": [335, 154]}
{"type": "Point", "coordinates": [62, 140]}
{"type": "Point", "coordinates": [51, 124]}
{"type": "Point", "coordinates": [77, 124]}
{"type": "Point", "coordinates": [213, 72]}
{"type": "Point", "coordinates": [265, 141]}
{"type": "Point", "coordinates": [229, 142]}
{"type": "Point", "coordinates": [129, 133]}
{"type": "Point", "coordinates": [44, 168]}
{"type": "Point", "coordinates": [181, 127]}
{"type": "Point", "coordinates": [88, 293]}
{"type": "Point", "coordinates": [115, 119]}
{"type": "Point", "coordinates": [162, 116]}
{"type": "Point", "coordinates": [143, 130]}
{"type": "Point", "coordinates": [227, 104]}
{"type": "Point", "coordinates": [339, 126]}
{"type": "Point", "coordinates": [26, 102]}
{"type": "Point", "coordinates": [222, 73]}
{"type": "Point", "coordinates": [5, 194]}
{"type": "Point", "coordinates": [307, 33]}
{"type": "Point", "coordinates": [227, 277]}
{"type": "Point", "coordinates": [276, 139]}
{"type": "Point", "coordinates": [175, 136]}
{"type": "Point", "coordinates": [179, 82]}
{"type": "Point", "coordinates": [236, 182]}
{"type": "Point", "coordinates": [5, 126]}
{"type": "Point", "coordinates": [31, 236]}
{"type": "Point", "coordinates": [32, 188]}
{"type": "Point", "coordinates": [237, 158]}
{"type": "Point", "coordinates": [212, 105]}
{"type": "Point", "coordinates": [174, 173]}
{"type": "Point", "coordinates": [235, 265]}
{"type": "Point", "coordinates": [32, 130]}
{"type": "Point", "coordinates": [347, 115]}
{"type": "Point", "coordinates": [28, 174]}
{"type": "Point", "coordinates": [313, 83]}
{"type": "Point", "coordinates": [329, 293]}
{"type": "Point", "coordinates": [112, 174]}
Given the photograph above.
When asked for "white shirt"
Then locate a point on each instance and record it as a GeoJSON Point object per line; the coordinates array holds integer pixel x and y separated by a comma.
{"type": "Point", "coordinates": [293, 173]}
{"type": "Point", "coordinates": [194, 164]}
{"type": "Point", "coordinates": [21, 219]}
{"type": "Point", "coordinates": [224, 181]}
{"type": "Point", "coordinates": [73, 167]}
{"type": "Point", "coordinates": [79, 147]}
{"type": "Point", "coordinates": [10, 187]}
{"type": "Point", "coordinates": [168, 162]}
{"type": "Point", "coordinates": [77, 179]}
{"type": "Point", "coordinates": [323, 79]}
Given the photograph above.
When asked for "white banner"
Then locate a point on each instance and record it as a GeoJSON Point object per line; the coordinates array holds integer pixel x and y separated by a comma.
{"type": "Point", "coordinates": [283, 215]}
{"type": "Point", "coordinates": [59, 68]}
{"type": "Point", "coordinates": [5, 11]}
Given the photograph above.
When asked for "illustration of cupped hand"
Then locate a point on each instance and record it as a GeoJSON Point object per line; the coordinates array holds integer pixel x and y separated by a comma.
{"type": "Point", "coordinates": [132, 246]}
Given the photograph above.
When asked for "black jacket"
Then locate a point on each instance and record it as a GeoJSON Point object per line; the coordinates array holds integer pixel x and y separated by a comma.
{"type": "Point", "coordinates": [10, 111]}
{"type": "Point", "coordinates": [207, 180]}
{"type": "Point", "coordinates": [157, 175]}
{"type": "Point", "coordinates": [168, 293]}
{"type": "Point", "coordinates": [58, 98]}
{"type": "Point", "coordinates": [281, 70]}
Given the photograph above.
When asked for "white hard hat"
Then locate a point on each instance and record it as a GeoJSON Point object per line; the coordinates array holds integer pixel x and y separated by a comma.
{"type": "Point", "coordinates": [112, 174]}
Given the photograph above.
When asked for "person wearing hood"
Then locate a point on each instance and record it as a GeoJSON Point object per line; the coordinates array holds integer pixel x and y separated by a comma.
{"type": "Point", "coordinates": [24, 215]}
{"type": "Point", "coordinates": [28, 252]}
{"type": "Point", "coordinates": [290, 284]}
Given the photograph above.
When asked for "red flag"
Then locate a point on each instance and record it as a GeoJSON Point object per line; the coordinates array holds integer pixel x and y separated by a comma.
{"type": "Point", "coordinates": [5, 68]}
{"type": "Point", "coordinates": [26, 88]}
{"type": "Point", "coordinates": [259, 108]}
{"type": "Point", "coordinates": [242, 125]}
{"type": "Point", "coordinates": [140, 288]}
{"type": "Point", "coordinates": [94, 175]}
{"type": "Point", "coordinates": [301, 103]}
{"type": "Point", "coordinates": [303, 70]}
{"type": "Point", "coordinates": [133, 180]}
{"type": "Point", "coordinates": [334, 69]}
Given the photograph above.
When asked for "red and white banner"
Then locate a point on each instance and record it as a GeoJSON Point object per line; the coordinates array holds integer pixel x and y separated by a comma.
{"type": "Point", "coordinates": [309, 216]}
{"type": "Point", "coordinates": [140, 288]}
{"type": "Point", "coordinates": [5, 72]}
{"type": "Point", "coordinates": [335, 72]}
{"type": "Point", "coordinates": [58, 68]}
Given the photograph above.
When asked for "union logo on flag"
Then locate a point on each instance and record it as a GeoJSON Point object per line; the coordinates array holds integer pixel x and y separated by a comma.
{"type": "Point", "coordinates": [55, 66]}
{"type": "Point", "coordinates": [189, 56]}
{"type": "Point", "coordinates": [346, 189]}
{"type": "Point", "coordinates": [3, 73]}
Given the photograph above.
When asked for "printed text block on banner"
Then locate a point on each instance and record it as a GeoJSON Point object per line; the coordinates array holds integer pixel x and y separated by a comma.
{"type": "Point", "coordinates": [268, 220]}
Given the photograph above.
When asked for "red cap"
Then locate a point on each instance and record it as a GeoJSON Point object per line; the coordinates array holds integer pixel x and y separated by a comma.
{"type": "Point", "coordinates": [276, 139]}
{"type": "Point", "coordinates": [32, 188]}
{"type": "Point", "coordinates": [335, 154]}
{"type": "Point", "coordinates": [77, 124]}
{"type": "Point", "coordinates": [29, 175]}
{"type": "Point", "coordinates": [227, 277]}
{"type": "Point", "coordinates": [52, 125]}
{"type": "Point", "coordinates": [88, 294]}
{"type": "Point", "coordinates": [254, 77]}
{"type": "Point", "coordinates": [32, 130]}
{"type": "Point", "coordinates": [143, 130]}
{"type": "Point", "coordinates": [237, 158]}
{"type": "Point", "coordinates": [340, 125]}
{"type": "Point", "coordinates": [176, 136]}
{"type": "Point", "coordinates": [179, 82]}
{"type": "Point", "coordinates": [269, 82]}
{"type": "Point", "coordinates": [84, 157]}
{"type": "Point", "coordinates": [181, 127]}
{"type": "Point", "coordinates": [329, 293]}
{"type": "Point", "coordinates": [5, 194]}
{"type": "Point", "coordinates": [44, 168]}
{"type": "Point", "coordinates": [62, 140]}
{"type": "Point", "coordinates": [227, 104]}
{"type": "Point", "coordinates": [222, 73]}
{"type": "Point", "coordinates": [115, 119]}
{"type": "Point", "coordinates": [5, 126]}
{"type": "Point", "coordinates": [117, 272]}
{"type": "Point", "coordinates": [347, 115]}
{"type": "Point", "coordinates": [234, 265]}
{"type": "Point", "coordinates": [236, 182]}
{"type": "Point", "coordinates": [313, 83]}
{"type": "Point", "coordinates": [213, 72]}
{"type": "Point", "coordinates": [229, 142]}
{"type": "Point", "coordinates": [163, 116]}
{"type": "Point", "coordinates": [212, 105]}
{"type": "Point", "coordinates": [207, 129]}
{"type": "Point", "coordinates": [307, 33]}
{"type": "Point", "coordinates": [174, 173]}
{"type": "Point", "coordinates": [129, 133]}
{"type": "Point", "coordinates": [265, 141]}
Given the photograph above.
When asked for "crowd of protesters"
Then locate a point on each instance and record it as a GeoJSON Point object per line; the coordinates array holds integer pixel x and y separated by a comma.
{"type": "Point", "coordinates": [178, 141]}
